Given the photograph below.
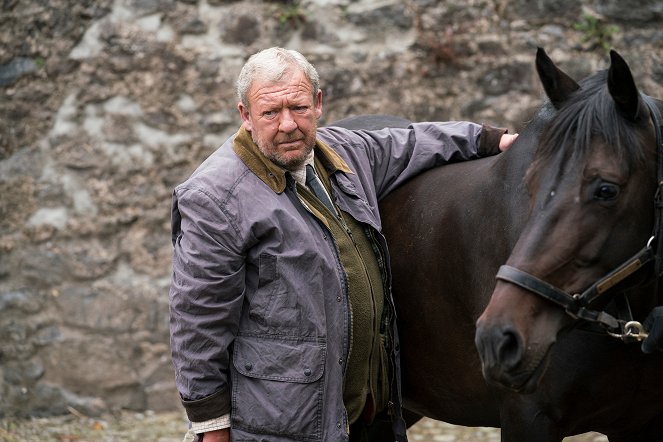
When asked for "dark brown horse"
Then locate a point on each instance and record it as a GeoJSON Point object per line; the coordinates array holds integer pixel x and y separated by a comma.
{"type": "Point", "coordinates": [592, 187]}
{"type": "Point", "coordinates": [451, 229]}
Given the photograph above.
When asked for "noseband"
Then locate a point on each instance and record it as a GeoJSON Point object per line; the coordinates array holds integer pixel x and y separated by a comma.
{"type": "Point", "coordinates": [577, 305]}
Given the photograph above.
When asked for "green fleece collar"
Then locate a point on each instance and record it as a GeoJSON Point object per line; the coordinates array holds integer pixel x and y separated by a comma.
{"type": "Point", "coordinates": [270, 173]}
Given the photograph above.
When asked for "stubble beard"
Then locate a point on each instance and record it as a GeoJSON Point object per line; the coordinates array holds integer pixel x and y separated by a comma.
{"type": "Point", "coordinates": [282, 159]}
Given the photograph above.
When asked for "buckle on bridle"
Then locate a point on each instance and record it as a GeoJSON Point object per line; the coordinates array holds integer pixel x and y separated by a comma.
{"type": "Point", "coordinates": [632, 331]}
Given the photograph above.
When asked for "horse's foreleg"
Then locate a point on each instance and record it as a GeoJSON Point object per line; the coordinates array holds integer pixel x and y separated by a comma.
{"type": "Point", "coordinates": [524, 421]}
{"type": "Point", "coordinates": [411, 417]}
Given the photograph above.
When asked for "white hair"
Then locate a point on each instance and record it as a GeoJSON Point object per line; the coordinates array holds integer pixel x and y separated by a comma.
{"type": "Point", "coordinates": [271, 65]}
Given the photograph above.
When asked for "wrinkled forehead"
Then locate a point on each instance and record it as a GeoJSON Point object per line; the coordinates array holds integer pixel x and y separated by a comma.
{"type": "Point", "coordinates": [292, 87]}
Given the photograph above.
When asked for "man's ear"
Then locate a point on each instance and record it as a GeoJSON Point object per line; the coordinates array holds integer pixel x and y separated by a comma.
{"type": "Point", "coordinates": [245, 116]}
{"type": "Point", "coordinates": [318, 104]}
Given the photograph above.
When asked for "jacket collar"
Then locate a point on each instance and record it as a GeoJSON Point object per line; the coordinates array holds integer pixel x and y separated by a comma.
{"type": "Point", "coordinates": [275, 176]}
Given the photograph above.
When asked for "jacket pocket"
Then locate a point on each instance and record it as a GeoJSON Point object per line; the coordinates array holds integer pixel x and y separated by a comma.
{"type": "Point", "coordinates": [277, 386]}
{"type": "Point", "coordinates": [270, 305]}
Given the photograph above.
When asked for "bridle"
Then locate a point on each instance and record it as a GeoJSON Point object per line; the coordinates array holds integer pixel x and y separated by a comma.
{"type": "Point", "coordinates": [577, 305]}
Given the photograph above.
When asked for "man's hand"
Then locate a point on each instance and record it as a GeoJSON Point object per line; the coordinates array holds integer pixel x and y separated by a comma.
{"type": "Point", "coordinates": [506, 141]}
{"type": "Point", "coordinates": [216, 436]}
{"type": "Point", "coordinates": [654, 326]}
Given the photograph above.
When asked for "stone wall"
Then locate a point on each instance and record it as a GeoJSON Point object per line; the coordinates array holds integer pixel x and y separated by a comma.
{"type": "Point", "coordinates": [105, 105]}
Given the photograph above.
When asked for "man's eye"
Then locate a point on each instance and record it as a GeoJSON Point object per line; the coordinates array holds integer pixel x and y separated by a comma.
{"type": "Point", "coordinates": [300, 109]}
{"type": "Point", "coordinates": [269, 114]}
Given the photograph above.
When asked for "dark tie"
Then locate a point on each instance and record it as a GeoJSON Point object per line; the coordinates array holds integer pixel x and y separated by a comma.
{"type": "Point", "coordinates": [313, 183]}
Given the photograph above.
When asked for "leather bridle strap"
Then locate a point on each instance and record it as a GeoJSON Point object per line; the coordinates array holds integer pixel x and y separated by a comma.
{"type": "Point", "coordinates": [658, 209]}
{"type": "Point", "coordinates": [632, 265]}
{"type": "Point", "coordinates": [573, 303]}
{"type": "Point", "coordinates": [570, 304]}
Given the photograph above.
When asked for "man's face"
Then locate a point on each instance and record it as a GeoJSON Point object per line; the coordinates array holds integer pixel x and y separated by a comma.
{"type": "Point", "coordinates": [282, 118]}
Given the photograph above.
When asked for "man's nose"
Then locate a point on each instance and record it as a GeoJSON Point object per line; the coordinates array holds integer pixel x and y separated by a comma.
{"type": "Point", "coordinates": [287, 123]}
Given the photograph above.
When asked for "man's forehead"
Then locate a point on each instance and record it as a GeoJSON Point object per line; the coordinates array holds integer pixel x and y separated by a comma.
{"type": "Point", "coordinates": [292, 87]}
{"type": "Point", "coordinates": [289, 84]}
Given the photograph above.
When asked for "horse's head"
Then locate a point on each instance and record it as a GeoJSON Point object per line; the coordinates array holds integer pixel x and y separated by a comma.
{"type": "Point", "coordinates": [592, 185]}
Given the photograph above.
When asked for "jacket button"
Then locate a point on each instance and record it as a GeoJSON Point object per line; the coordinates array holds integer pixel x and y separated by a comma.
{"type": "Point", "coordinates": [340, 361]}
{"type": "Point", "coordinates": [338, 299]}
{"type": "Point", "coordinates": [248, 366]}
{"type": "Point", "coordinates": [307, 372]}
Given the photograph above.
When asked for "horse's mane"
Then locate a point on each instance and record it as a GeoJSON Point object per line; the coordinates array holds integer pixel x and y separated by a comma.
{"type": "Point", "coordinates": [590, 112]}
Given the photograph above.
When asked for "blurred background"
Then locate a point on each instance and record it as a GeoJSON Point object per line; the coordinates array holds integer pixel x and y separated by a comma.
{"type": "Point", "coordinates": [106, 105]}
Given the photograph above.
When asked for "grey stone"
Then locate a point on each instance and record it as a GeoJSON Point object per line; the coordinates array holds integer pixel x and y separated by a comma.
{"type": "Point", "coordinates": [13, 70]}
{"type": "Point", "coordinates": [244, 30]}
{"type": "Point", "coordinates": [25, 301]}
{"type": "Point", "coordinates": [17, 202]}
{"type": "Point", "coordinates": [48, 335]}
{"type": "Point", "coordinates": [382, 17]}
{"type": "Point", "coordinates": [41, 268]}
{"type": "Point", "coordinates": [630, 11]}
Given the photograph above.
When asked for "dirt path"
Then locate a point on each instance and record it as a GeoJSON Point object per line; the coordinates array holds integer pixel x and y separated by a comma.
{"type": "Point", "coordinates": [170, 427]}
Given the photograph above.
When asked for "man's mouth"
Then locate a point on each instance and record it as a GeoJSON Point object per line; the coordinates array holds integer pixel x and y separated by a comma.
{"type": "Point", "coordinates": [290, 143]}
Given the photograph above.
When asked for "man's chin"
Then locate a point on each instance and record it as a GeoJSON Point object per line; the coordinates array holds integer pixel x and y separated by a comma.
{"type": "Point", "coordinates": [288, 155]}
{"type": "Point", "coordinates": [292, 160]}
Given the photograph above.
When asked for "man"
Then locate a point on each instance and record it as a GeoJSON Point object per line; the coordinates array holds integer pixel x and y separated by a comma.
{"type": "Point", "coordinates": [282, 323]}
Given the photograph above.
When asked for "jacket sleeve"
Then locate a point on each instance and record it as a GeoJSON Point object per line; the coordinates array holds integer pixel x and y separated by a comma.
{"type": "Point", "coordinates": [395, 155]}
{"type": "Point", "coordinates": [205, 301]}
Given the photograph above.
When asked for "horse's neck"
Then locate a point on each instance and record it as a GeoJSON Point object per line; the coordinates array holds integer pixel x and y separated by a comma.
{"type": "Point", "coordinates": [642, 299]}
{"type": "Point", "coordinates": [519, 157]}
{"type": "Point", "coordinates": [511, 166]}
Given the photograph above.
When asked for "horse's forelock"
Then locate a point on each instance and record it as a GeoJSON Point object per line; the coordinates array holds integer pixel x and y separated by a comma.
{"type": "Point", "coordinates": [590, 112]}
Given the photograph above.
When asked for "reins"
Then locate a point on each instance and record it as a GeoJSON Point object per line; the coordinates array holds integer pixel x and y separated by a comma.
{"type": "Point", "coordinates": [577, 305]}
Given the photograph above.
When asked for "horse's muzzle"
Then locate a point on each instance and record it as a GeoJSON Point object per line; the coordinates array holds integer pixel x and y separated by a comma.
{"type": "Point", "coordinates": [505, 361]}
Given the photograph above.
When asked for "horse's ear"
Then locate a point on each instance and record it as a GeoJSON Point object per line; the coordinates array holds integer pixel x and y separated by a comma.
{"type": "Point", "coordinates": [622, 87]}
{"type": "Point", "coordinates": [557, 84]}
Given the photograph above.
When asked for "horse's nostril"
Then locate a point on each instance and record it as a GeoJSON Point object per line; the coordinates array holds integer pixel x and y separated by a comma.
{"type": "Point", "coordinates": [509, 349]}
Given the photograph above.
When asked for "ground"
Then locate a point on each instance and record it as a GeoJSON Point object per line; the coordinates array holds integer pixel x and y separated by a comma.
{"type": "Point", "coordinates": [170, 427]}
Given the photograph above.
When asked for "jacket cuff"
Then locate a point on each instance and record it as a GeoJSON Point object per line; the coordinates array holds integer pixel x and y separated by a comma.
{"type": "Point", "coordinates": [489, 141]}
{"type": "Point", "coordinates": [208, 408]}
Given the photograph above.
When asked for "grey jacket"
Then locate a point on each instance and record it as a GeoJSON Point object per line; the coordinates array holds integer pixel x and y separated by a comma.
{"type": "Point", "coordinates": [259, 314]}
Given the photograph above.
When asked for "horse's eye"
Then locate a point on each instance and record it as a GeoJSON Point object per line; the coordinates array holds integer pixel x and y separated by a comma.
{"type": "Point", "coordinates": [606, 192]}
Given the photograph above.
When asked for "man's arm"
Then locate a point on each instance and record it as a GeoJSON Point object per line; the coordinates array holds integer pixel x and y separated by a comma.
{"type": "Point", "coordinates": [398, 154]}
{"type": "Point", "coordinates": [205, 301]}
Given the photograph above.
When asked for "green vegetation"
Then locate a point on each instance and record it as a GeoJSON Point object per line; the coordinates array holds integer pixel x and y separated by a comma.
{"type": "Point", "coordinates": [290, 14]}
{"type": "Point", "coordinates": [595, 32]}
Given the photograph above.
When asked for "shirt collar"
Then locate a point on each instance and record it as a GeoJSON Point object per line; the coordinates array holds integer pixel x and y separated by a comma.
{"type": "Point", "coordinates": [300, 174]}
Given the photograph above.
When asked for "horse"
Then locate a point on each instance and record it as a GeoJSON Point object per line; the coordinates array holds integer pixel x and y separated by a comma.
{"type": "Point", "coordinates": [449, 230]}
{"type": "Point", "coordinates": [584, 268]}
